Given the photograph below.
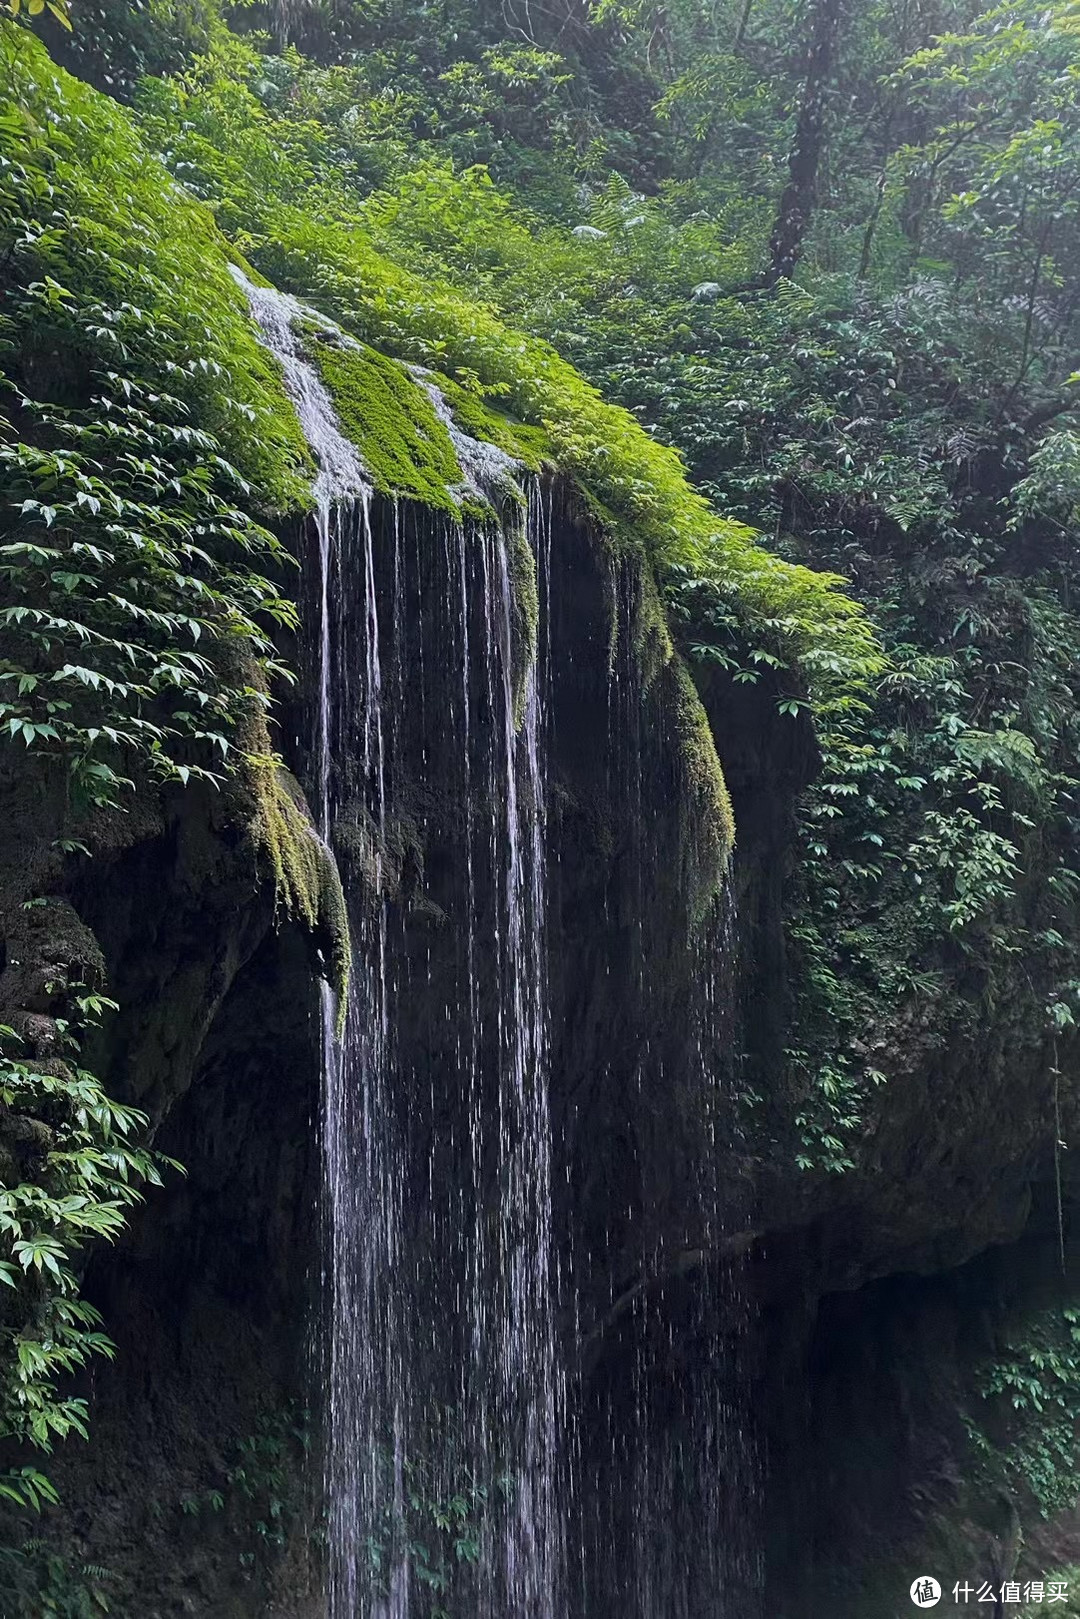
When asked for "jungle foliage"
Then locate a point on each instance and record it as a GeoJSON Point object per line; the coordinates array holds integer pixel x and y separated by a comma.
{"type": "Point", "coordinates": [827, 253]}
{"type": "Point", "coordinates": [790, 286]}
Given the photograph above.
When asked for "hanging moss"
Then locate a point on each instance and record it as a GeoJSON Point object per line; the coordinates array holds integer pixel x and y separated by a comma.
{"type": "Point", "coordinates": [525, 615]}
{"type": "Point", "coordinates": [708, 821]}
{"type": "Point", "coordinates": [706, 815]}
{"type": "Point", "coordinates": [405, 447]}
{"type": "Point", "coordinates": [305, 873]}
{"type": "Point", "coordinates": [708, 818]}
{"type": "Point", "coordinates": [651, 641]}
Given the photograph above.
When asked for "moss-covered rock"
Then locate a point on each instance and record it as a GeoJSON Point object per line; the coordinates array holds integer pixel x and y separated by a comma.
{"type": "Point", "coordinates": [525, 614]}
{"type": "Point", "coordinates": [477, 415]}
{"type": "Point", "coordinates": [707, 816]}
{"type": "Point", "coordinates": [406, 449]}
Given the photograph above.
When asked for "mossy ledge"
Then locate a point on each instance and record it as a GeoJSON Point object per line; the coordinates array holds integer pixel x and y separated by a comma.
{"type": "Point", "coordinates": [399, 433]}
{"type": "Point", "coordinates": [479, 417]}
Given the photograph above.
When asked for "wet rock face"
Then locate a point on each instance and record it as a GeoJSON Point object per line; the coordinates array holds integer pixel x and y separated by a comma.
{"type": "Point", "coordinates": [210, 1295]}
{"type": "Point", "coordinates": [681, 1291]}
{"type": "Point", "coordinates": [197, 1428]}
{"type": "Point", "coordinates": [872, 1395]}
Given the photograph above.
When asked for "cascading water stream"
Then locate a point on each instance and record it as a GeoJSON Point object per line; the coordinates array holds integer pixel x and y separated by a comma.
{"type": "Point", "coordinates": [446, 1320]}
{"type": "Point", "coordinates": [348, 739]}
{"type": "Point", "coordinates": [415, 1263]}
{"type": "Point", "coordinates": [528, 1392]}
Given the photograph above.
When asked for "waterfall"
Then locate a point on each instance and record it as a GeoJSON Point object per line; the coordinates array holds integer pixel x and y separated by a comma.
{"type": "Point", "coordinates": [526, 1361]}
{"type": "Point", "coordinates": [440, 1360]}
{"type": "Point", "coordinates": [348, 753]}
{"type": "Point", "coordinates": [458, 1451]}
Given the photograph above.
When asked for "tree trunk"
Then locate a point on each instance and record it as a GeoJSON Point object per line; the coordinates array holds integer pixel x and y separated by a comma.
{"type": "Point", "coordinates": [797, 202]}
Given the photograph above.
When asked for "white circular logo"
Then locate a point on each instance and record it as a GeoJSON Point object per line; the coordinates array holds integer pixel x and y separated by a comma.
{"type": "Point", "coordinates": [925, 1591]}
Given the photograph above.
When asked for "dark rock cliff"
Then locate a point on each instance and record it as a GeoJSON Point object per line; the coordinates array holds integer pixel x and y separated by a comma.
{"type": "Point", "coordinates": [852, 1316]}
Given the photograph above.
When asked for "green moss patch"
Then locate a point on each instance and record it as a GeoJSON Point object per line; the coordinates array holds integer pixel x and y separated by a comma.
{"type": "Point", "coordinates": [405, 447]}
{"type": "Point", "coordinates": [708, 818]}
{"type": "Point", "coordinates": [525, 622]}
{"type": "Point", "coordinates": [477, 417]}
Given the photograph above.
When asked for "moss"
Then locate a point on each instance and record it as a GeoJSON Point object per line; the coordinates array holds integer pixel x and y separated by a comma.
{"type": "Point", "coordinates": [406, 449]}
{"type": "Point", "coordinates": [237, 259]}
{"type": "Point", "coordinates": [525, 615]}
{"type": "Point", "coordinates": [706, 814]}
{"type": "Point", "coordinates": [708, 818]}
{"type": "Point", "coordinates": [477, 417]}
{"type": "Point", "coordinates": [651, 642]}
{"type": "Point", "coordinates": [287, 488]}
{"type": "Point", "coordinates": [306, 878]}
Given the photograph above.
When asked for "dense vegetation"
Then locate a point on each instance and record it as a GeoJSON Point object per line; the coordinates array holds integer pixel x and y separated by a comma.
{"type": "Point", "coordinates": [792, 290]}
{"type": "Point", "coordinates": [829, 256]}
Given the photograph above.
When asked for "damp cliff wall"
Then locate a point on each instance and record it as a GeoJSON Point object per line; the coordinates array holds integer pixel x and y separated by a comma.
{"type": "Point", "coordinates": [212, 1294]}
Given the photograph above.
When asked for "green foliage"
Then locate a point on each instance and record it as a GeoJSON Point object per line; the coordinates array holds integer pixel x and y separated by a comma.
{"type": "Point", "coordinates": [1068, 1579]}
{"type": "Point", "coordinates": [1003, 166]}
{"type": "Point", "coordinates": [1036, 1381]}
{"type": "Point", "coordinates": [436, 1519]}
{"type": "Point", "coordinates": [114, 42]}
{"type": "Point", "coordinates": [133, 596]}
{"type": "Point", "coordinates": [87, 1173]}
{"type": "Point", "coordinates": [144, 432]}
{"type": "Point", "coordinates": [34, 8]}
{"type": "Point", "coordinates": [260, 1494]}
{"type": "Point", "coordinates": [38, 1582]}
